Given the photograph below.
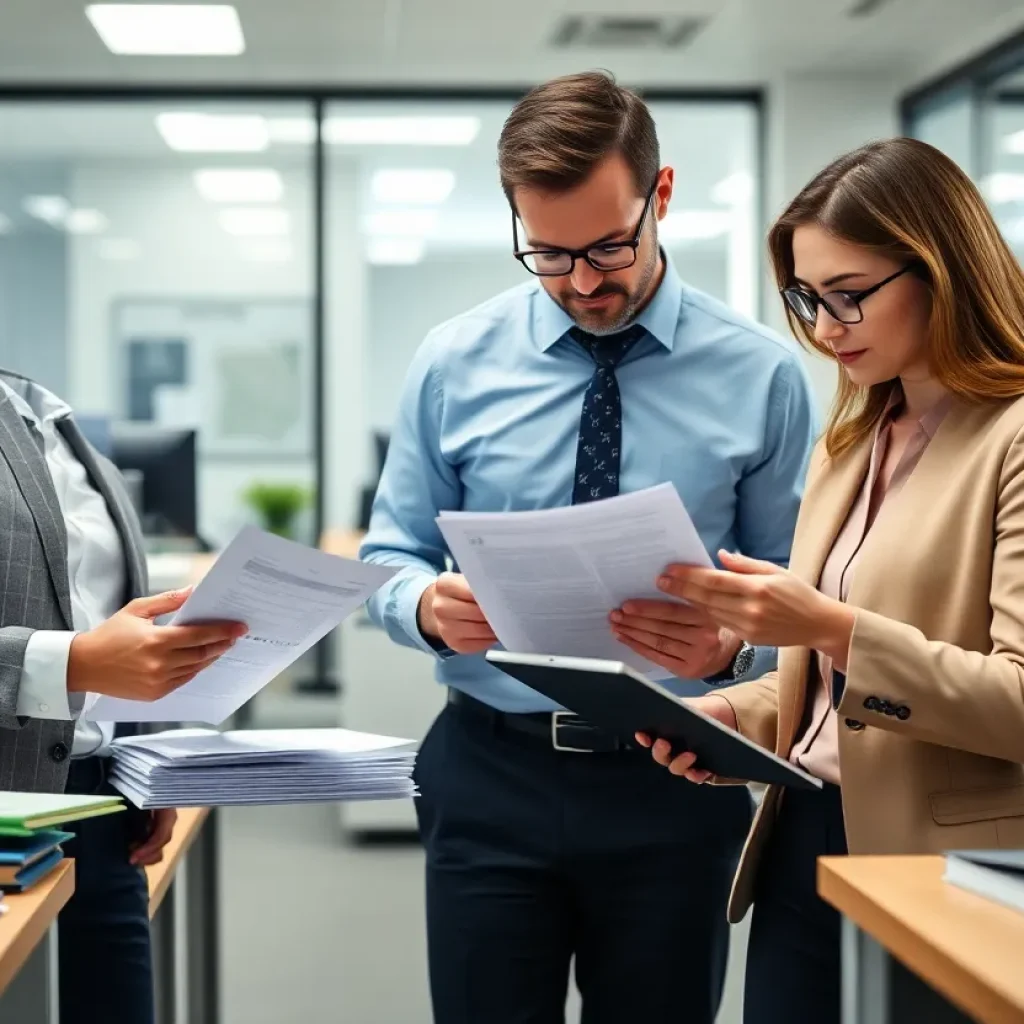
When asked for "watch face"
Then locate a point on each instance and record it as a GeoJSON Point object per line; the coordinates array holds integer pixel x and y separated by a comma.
{"type": "Point", "coordinates": [744, 660]}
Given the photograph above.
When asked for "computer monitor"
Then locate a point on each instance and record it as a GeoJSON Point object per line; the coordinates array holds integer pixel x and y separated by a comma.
{"type": "Point", "coordinates": [165, 457]}
{"type": "Point", "coordinates": [380, 442]}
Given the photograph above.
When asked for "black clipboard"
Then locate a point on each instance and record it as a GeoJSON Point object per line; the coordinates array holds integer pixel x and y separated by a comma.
{"type": "Point", "coordinates": [613, 696]}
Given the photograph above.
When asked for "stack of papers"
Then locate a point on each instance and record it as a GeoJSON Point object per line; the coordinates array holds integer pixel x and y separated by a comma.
{"type": "Point", "coordinates": [30, 848]}
{"type": "Point", "coordinates": [204, 768]}
{"type": "Point", "coordinates": [995, 874]}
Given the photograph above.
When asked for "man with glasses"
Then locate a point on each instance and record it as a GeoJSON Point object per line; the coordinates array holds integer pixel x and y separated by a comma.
{"type": "Point", "coordinates": [546, 839]}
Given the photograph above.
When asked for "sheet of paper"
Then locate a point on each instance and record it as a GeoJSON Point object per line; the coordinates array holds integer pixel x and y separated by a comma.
{"type": "Point", "coordinates": [547, 580]}
{"type": "Point", "coordinates": [289, 595]}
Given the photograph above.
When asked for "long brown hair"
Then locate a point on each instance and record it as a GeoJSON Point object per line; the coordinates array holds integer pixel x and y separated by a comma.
{"type": "Point", "coordinates": [907, 200]}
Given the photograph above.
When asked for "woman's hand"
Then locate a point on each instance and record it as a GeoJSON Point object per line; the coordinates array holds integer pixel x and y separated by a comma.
{"type": "Point", "coordinates": [682, 764]}
{"type": "Point", "coordinates": [765, 605]}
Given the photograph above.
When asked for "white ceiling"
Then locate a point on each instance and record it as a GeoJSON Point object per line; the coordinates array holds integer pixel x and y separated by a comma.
{"type": "Point", "coordinates": [478, 42]}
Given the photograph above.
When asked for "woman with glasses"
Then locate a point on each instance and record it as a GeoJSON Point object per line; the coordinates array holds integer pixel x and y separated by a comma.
{"type": "Point", "coordinates": [900, 621]}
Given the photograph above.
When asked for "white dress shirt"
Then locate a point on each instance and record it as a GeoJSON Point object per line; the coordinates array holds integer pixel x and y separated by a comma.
{"type": "Point", "coordinates": [96, 573]}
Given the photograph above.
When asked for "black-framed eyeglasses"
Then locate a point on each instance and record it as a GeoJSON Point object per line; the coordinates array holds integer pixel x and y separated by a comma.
{"type": "Point", "coordinates": [604, 256]}
{"type": "Point", "coordinates": [843, 306]}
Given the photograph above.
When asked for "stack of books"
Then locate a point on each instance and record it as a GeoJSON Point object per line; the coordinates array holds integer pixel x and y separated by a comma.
{"type": "Point", "coordinates": [997, 875]}
{"type": "Point", "coordinates": [205, 768]}
{"type": "Point", "coordinates": [31, 844]}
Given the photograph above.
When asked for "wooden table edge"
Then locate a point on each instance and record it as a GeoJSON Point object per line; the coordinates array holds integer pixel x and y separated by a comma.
{"type": "Point", "coordinates": [159, 876]}
{"type": "Point", "coordinates": [52, 892]}
{"type": "Point", "coordinates": [944, 973]}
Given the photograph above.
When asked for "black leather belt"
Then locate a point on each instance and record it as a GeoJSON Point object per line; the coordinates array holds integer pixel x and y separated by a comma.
{"type": "Point", "coordinates": [557, 730]}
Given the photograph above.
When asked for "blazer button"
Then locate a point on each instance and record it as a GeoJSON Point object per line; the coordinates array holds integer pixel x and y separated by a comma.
{"type": "Point", "coordinates": [887, 708]}
{"type": "Point", "coordinates": [853, 724]}
{"type": "Point", "coordinates": [872, 704]}
{"type": "Point", "coordinates": [58, 752]}
{"type": "Point", "coordinates": [903, 712]}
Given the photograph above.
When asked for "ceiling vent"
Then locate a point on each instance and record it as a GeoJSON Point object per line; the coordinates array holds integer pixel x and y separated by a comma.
{"type": "Point", "coordinates": [626, 32]}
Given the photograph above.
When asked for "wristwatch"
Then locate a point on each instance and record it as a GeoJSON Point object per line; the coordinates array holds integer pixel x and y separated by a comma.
{"type": "Point", "coordinates": [742, 662]}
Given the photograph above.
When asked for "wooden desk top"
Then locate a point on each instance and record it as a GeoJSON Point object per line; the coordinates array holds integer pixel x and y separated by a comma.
{"type": "Point", "coordinates": [160, 876]}
{"type": "Point", "coordinates": [336, 540]}
{"type": "Point", "coordinates": [967, 948]}
{"type": "Point", "coordinates": [28, 917]}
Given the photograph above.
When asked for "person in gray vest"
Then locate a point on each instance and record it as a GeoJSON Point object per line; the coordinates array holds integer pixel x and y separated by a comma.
{"type": "Point", "coordinates": [76, 618]}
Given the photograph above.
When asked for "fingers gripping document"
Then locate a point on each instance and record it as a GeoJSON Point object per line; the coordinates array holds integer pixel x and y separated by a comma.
{"type": "Point", "coordinates": [289, 595]}
{"type": "Point", "coordinates": [548, 580]}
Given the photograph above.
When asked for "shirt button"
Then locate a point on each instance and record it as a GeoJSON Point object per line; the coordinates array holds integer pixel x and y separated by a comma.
{"type": "Point", "coordinates": [59, 752]}
{"type": "Point", "coordinates": [44, 707]}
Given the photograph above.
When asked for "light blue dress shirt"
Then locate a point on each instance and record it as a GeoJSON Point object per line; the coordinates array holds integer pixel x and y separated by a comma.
{"type": "Point", "coordinates": [712, 402]}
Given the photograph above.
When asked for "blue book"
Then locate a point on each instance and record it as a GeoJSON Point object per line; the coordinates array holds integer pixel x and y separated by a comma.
{"type": "Point", "coordinates": [27, 876]}
{"type": "Point", "coordinates": [24, 850]}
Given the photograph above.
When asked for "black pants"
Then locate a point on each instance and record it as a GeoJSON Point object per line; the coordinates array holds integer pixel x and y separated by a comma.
{"type": "Point", "coordinates": [793, 959]}
{"type": "Point", "coordinates": [105, 965]}
{"type": "Point", "coordinates": [536, 856]}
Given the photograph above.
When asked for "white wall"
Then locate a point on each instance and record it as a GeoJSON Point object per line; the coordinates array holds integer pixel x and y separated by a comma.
{"type": "Point", "coordinates": [812, 119]}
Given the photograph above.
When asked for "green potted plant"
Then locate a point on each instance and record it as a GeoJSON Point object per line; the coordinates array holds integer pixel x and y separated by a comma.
{"type": "Point", "coordinates": [277, 504]}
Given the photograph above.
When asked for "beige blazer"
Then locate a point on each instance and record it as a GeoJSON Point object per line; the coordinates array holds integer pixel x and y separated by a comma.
{"type": "Point", "coordinates": [938, 642]}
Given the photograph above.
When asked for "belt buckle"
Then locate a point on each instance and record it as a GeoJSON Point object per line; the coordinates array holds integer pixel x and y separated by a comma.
{"type": "Point", "coordinates": [556, 717]}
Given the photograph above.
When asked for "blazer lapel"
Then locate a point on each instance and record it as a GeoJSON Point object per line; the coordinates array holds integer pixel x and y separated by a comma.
{"type": "Point", "coordinates": [22, 452]}
{"type": "Point", "coordinates": [823, 511]}
{"type": "Point", "coordinates": [117, 504]}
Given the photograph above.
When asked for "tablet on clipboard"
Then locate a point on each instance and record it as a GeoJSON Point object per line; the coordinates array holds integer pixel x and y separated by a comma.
{"type": "Point", "coordinates": [619, 700]}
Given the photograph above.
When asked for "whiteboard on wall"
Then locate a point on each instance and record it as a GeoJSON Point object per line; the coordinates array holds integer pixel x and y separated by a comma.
{"type": "Point", "coordinates": [240, 371]}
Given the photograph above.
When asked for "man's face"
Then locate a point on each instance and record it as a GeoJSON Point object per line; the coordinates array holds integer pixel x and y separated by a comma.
{"type": "Point", "coordinates": [605, 208]}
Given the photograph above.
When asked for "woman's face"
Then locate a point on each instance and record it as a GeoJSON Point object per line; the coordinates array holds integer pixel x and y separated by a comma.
{"type": "Point", "coordinates": [891, 339]}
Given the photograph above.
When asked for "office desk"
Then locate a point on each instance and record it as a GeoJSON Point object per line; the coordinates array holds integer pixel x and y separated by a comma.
{"type": "Point", "coordinates": [918, 950]}
{"type": "Point", "coordinates": [28, 966]}
{"type": "Point", "coordinates": [184, 910]}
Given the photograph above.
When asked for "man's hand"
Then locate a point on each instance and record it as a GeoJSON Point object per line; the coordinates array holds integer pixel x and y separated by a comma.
{"type": "Point", "coordinates": [449, 612]}
{"type": "Point", "coordinates": [675, 636]}
{"type": "Point", "coordinates": [151, 849]}
{"type": "Point", "coordinates": [129, 656]}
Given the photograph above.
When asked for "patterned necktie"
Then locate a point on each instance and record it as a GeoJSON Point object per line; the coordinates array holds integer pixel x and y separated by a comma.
{"type": "Point", "coordinates": [600, 442]}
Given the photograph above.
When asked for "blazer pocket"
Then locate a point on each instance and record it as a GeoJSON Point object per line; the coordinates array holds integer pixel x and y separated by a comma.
{"type": "Point", "coordinates": [958, 806]}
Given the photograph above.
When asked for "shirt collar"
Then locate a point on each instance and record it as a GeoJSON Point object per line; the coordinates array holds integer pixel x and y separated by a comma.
{"type": "Point", "coordinates": [660, 316]}
{"type": "Point", "coordinates": [929, 422]}
{"type": "Point", "coordinates": [38, 406]}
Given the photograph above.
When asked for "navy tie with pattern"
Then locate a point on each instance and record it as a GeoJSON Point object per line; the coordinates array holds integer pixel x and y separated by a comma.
{"type": "Point", "coordinates": [600, 441]}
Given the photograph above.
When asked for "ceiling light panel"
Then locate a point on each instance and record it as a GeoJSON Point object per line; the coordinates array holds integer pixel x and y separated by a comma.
{"type": "Point", "coordinates": [414, 187]}
{"type": "Point", "coordinates": [242, 185]}
{"type": "Point", "coordinates": [213, 133]}
{"type": "Point", "coordinates": [400, 223]}
{"type": "Point", "coordinates": [401, 131]}
{"type": "Point", "coordinates": [255, 221]}
{"type": "Point", "coordinates": [395, 251]}
{"type": "Point", "coordinates": [85, 222]}
{"type": "Point", "coordinates": [50, 209]}
{"type": "Point", "coordinates": [193, 30]}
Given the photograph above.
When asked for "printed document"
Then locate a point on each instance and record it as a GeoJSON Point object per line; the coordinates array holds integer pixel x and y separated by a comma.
{"type": "Point", "coordinates": [548, 580]}
{"type": "Point", "coordinates": [289, 595]}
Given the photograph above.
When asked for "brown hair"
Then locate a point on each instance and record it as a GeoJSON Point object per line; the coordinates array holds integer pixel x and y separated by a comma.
{"type": "Point", "coordinates": [560, 131]}
{"type": "Point", "coordinates": [909, 201]}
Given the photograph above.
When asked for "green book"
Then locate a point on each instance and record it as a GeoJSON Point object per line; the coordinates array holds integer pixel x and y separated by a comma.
{"type": "Point", "coordinates": [22, 813]}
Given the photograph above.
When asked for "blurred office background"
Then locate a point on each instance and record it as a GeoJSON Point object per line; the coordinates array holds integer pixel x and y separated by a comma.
{"type": "Point", "coordinates": [225, 260]}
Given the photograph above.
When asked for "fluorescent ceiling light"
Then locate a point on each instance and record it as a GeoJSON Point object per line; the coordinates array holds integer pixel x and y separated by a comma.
{"type": "Point", "coordinates": [407, 131]}
{"type": "Point", "coordinates": [400, 223]}
{"type": "Point", "coordinates": [203, 30]}
{"type": "Point", "coordinates": [734, 190]}
{"type": "Point", "coordinates": [85, 222]}
{"type": "Point", "coordinates": [51, 209]}
{"type": "Point", "coordinates": [278, 251]}
{"type": "Point", "coordinates": [395, 251]}
{"type": "Point", "coordinates": [687, 225]}
{"type": "Point", "coordinates": [213, 133]}
{"type": "Point", "coordinates": [251, 185]}
{"type": "Point", "coordinates": [6, 224]}
{"type": "Point", "coordinates": [256, 221]}
{"type": "Point", "coordinates": [294, 130]}
{"type": "Point", "coordinates": [1004, 187]}
{"type": "Point", "coordinates": [1014, 143]}
{"type": "Point", "coordinates": [119, 250]}
{"type": "Point", "coordinates": [412, 186]}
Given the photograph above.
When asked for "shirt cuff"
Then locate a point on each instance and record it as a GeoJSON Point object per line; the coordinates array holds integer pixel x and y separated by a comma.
{"type": "Point", "coordinates": [407, 612]}
{"type": "Point", "coordinates": [44, 678]}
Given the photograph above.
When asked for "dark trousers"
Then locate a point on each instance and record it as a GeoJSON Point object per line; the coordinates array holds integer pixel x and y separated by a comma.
{"type": "Point", "coordinates": [793, 957]}
{"type": "Point", "coordinates": [106, 971]}
{"type": "Point", "coordinates": [535, 856]}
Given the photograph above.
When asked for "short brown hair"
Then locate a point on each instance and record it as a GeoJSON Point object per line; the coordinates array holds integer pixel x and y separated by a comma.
{"type": "Point", "coordinates": [560, 131]}
{"type": "Point", "coordinates": [909, 201]}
